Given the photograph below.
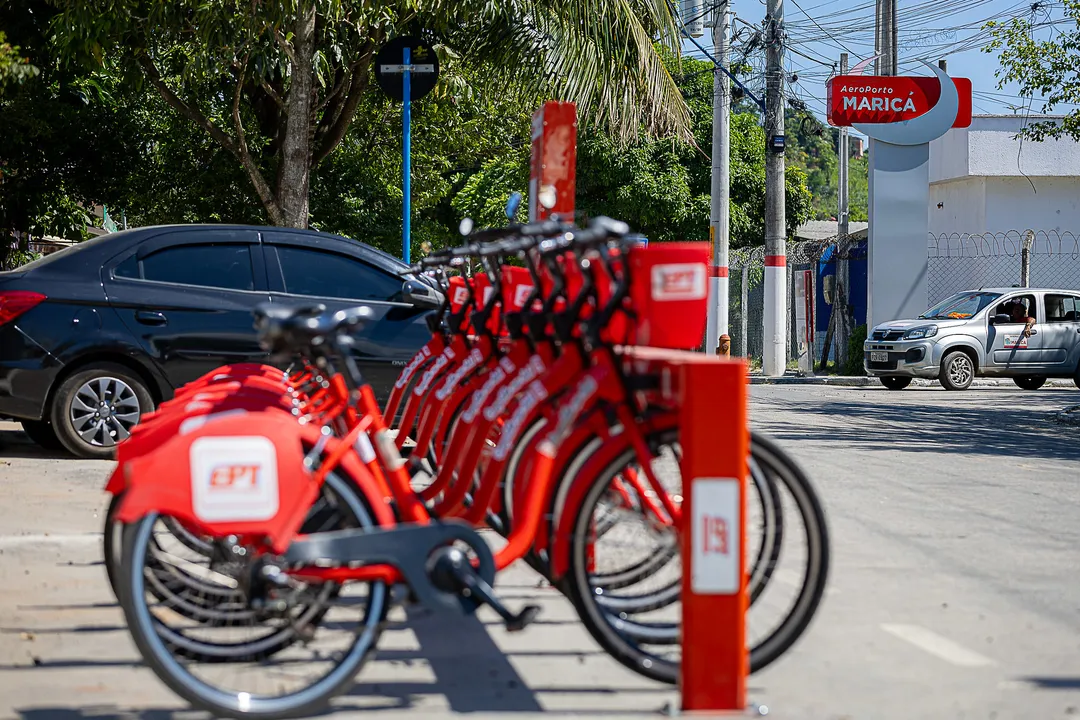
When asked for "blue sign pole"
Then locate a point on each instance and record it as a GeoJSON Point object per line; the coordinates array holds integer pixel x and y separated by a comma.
{"type": "Point", "coordinates": [406, 151]}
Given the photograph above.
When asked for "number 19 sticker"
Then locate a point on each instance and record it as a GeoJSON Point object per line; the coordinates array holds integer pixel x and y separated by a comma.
{"type": "Point", "coordinates": [715, 535]}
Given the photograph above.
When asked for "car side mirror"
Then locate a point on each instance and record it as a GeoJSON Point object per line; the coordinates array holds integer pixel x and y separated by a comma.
{"type": "Point", "coordinates": [1000, 319]}
{"type": "Point", "coordinates": [420, 294]}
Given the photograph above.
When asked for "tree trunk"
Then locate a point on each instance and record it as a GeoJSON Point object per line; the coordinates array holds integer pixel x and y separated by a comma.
{"type": "Point", "coordinates": [294, 179]}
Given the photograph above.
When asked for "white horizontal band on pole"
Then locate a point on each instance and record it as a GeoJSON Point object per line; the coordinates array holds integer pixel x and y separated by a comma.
{"type": "Point", "coordinates": [410, 68]}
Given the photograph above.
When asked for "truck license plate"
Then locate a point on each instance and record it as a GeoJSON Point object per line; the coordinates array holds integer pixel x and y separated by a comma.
{"type": "Point", "coordinates": [879, 357]}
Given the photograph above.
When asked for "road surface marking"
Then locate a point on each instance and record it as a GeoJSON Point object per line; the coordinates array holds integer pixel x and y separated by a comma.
{"type": "Point", "coordinates": [938, 646]}
{"type": "Point", "coordinates": [14, 541]}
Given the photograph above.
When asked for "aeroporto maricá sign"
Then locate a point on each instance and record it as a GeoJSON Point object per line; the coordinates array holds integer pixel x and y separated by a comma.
{"type": "Point", "coordinates": [901, 115]}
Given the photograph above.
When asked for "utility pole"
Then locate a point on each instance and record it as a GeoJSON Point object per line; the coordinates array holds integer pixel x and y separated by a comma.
{"type": "Point", "coordinates": [774, 354]}
{"type": "Point", "coordinates": [840, 280]}
{"type": "Point", "coordinates": [885, 38]}
{"type": "Point", "coordinates": [717, 324]}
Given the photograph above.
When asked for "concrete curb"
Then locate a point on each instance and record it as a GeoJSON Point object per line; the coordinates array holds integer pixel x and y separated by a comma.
{"type": "Point", "coordinates": [855, 381]}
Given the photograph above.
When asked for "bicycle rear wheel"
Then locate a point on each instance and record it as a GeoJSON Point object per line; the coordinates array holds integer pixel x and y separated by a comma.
{"type": "Point", "coordinates": [235, 688]}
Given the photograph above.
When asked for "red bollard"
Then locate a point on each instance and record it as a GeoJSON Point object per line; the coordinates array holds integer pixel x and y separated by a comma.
{"type": "Point", "coordinates": [715, 443]}
{"type": "Point", "coordinates": [552, 172]}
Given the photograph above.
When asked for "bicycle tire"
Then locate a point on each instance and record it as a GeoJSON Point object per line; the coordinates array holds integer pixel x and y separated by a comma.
{"type": "Point", "coordinates": [619, 637]}
{"type": "Point", "coordinates": [760, 573]}
{"type": "Point", "coordinates": [220, 703]}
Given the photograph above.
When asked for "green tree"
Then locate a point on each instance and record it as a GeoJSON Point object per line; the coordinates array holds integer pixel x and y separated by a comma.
{"type": "Point", "coordinates": [68, 138]}
{"type": "Point", "coordinates": [277, 85]}
{"type": "Point", "coordinates": [659, 185]}
{"type": "Point", "coordinates": [1042, 67]}
{"type": "Point", "coordinates": [14, 68]}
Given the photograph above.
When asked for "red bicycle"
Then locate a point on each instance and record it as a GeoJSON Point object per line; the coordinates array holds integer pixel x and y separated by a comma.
{"type": "Point", "coordinates": [533, 413]}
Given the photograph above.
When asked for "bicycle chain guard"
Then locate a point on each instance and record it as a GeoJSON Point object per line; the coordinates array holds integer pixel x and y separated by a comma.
{"type": "Point", "coordinates": [407, 547]}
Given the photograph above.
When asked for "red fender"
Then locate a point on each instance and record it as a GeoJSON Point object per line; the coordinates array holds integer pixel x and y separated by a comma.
{"type": "Point", "coordinates": [203, 403]}
{"type": "Point", "coordinates": [166, 426]}
{"type": "Point", "coordinates": [251, 382]}
{"type": "Point", "coordinates": [562, 523]}
{"type": "Point", "coordinates": [240, 371]}
{"type": "Point", "coordinates": [237, 475]}
{"type": "Point", "coordinates": [592, 425]}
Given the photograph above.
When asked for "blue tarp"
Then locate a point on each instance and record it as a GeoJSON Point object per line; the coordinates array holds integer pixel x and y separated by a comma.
{"type": "Point", "coordinates": [856, 277]}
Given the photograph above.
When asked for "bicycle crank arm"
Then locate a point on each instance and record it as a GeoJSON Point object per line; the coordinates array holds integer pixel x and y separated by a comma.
{"type": "Point", "coordinates": [407, 547]}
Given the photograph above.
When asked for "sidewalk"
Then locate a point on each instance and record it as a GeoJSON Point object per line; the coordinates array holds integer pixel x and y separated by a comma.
{"type": "Point", "coordinates": [796, 378]}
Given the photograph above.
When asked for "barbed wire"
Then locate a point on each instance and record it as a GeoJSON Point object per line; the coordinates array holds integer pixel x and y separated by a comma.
{"type": "Point", "coordinates": [803, 251]}
{"type": "Point", "coordinates": [1008, 243]}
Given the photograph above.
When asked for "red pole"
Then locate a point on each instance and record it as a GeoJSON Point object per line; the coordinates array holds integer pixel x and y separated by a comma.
{"type": "Point", "coordinates": [554, 161]}
{"type": "Point", "coordinates": [714, 438]}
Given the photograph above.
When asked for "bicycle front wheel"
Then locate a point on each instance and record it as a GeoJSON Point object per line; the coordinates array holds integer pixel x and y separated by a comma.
{"type": "Point", "coordinates": [646, 638]}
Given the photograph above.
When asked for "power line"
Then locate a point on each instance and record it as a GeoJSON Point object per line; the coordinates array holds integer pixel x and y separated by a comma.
{"type": "Point", "coordinates": [838, 43]}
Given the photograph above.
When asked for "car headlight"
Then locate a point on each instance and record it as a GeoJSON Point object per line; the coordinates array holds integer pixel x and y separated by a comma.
{"type": "Point", "coordinates": [926, 331]}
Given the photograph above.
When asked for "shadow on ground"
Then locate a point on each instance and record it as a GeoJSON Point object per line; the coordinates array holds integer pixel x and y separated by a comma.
{"type": "Point", "coordinates": [1007, 425]}
{"type": "Point", "coordinates": [470, 671]}
{"type": "Point", "coordinates": [15, 444]}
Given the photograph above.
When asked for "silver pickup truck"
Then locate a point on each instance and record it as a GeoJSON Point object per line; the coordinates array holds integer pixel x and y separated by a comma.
{"type": "Point", "coordinates": [986, 332]}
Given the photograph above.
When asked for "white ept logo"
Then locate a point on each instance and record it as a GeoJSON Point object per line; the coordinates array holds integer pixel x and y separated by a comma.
{"type": "Point", "coordinates": [678, 281]}
{"type": "Point", "coordinates": [234, 479]}
{"type": "Point", "coordinates": [521, 295]}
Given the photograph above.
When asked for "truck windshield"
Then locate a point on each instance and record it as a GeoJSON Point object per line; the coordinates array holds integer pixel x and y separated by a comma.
{"type": "Point", "coordinates": [960, 306]}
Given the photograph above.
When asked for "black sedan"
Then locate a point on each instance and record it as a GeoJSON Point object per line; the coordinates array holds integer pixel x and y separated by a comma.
{"type": "Point", "coordinates": [94, 336]}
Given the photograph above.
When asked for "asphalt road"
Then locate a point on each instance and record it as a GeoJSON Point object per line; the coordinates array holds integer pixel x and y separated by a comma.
{"type": "Point", "coordinates": [955, 523]}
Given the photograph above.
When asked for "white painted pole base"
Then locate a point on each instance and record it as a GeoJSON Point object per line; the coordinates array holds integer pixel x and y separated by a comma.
{"type": "Point", "coordinates": [712, 337]}
{"type": "Point", "coordinates": [774, 353]}
{"type": "Point", "coordinates": [722, 306]}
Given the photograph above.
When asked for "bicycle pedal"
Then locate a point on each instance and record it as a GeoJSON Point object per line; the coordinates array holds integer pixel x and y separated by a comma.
{"type": "Point", "coordinates": [523, 619]}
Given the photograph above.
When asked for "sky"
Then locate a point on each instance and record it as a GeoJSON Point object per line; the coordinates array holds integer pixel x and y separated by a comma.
{"type": "Point", "coordinates": [819, 30]}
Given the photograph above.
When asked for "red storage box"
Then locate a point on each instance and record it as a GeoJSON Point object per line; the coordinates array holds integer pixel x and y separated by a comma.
{"type": "Point", "coordinates": [517, 286]}
{"type": "Point", "coordinates": [669, 287]}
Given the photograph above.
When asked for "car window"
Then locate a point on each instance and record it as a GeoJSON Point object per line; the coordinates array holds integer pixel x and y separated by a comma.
{"type": "Point", "coordinates": [1027, 307]}
{"type": "Point", "coordinates": [1062, 308]}
{"type": "Point", "coordinates": [127, 269]}
{"type": "Point", "coordinates": [226, 266]}
{"type": "Point", "coordinates": [329, 274]}
{"type": "Point", "coordinates": [960, 306]}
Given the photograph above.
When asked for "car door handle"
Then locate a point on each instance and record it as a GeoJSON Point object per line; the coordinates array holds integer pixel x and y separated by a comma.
{"type": "Point", "coordinates": [146, 317]}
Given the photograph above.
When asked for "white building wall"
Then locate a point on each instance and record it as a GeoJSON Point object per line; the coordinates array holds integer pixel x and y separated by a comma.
{"type": "Point", "coordinates": [983, 176]}
{"type": "Point", "coordinates": [1012, 204]}
{"type": "Point", "coordinates": [949, 156]}
{"type": "Point", "coordinates": [963, 206]}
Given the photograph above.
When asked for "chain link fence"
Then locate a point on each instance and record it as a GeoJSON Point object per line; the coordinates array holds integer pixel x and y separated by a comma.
{"type": "Point", "coordinates": [838, 281]}
{"type": "Point", "coordinates": [825, 290]}
{"type": "Point", "coordinates": [1033, 258]}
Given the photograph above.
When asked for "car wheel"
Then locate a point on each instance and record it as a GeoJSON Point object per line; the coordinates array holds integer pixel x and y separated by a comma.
{"type": "Point", "coordinates": [957, 371]}
{"type": "Point", "coordinates": [94, 409]}
{"type": "Point", "coordinates": [42, 433]}
{"type": "Point", "coordinates": [1029, 382]}
{"type": "Point", "coordinates": [895, 383]}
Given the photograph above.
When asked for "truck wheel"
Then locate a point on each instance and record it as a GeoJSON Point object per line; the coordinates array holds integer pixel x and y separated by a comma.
{"type": "Point", "coordinates": [1029, 382]}
{"type": "Point", "coordinates": [957, 371]}
{"type": "Point", "coordinates": [895, 383]}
